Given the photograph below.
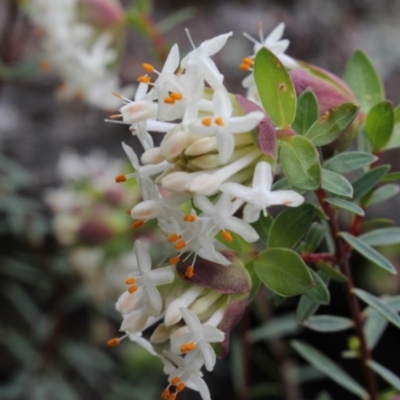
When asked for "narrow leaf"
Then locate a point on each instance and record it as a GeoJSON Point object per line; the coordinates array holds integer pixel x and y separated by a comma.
{"type": "Point", "coordinates": [366, 182]}
{"type": "Point", "coordinates": [314, 237]}
{"type": "Point", "coordinates": [283, 271]}
{"type": "Point", "coordinates": [385, 374]}
{"type": "Point", "coordinates": [275, 87]}
{"type": "Point", "coordinates": [305, 309]}
{"type": "Point", "coordinates": [329, 368]}
{"type": "Point", "coordinates": [336, 184]}
{"type": "Point", "coordinates": [374, 326]}
{"type": "Point", "coordinates": [379, 305]}
{"type": "Point", "coordinates": [307, 112]}
{"type": "Point", "coordinates": [328, 323]}
{"type": "Point", "coordinates": [318, 293]}
{"type": "Point", "coordinates": [381, 237]}
{"type": "Point", "coordinates": [368, 252]}
{"type": "Point", "coordinates": [391, 177]}
{"type": "Point", "coordinates": [333, 122]}
{"type": "Point", "coordinates": [300, 163]}
{"type": "Point", "coordinates": [290, 226]}
{"type": "Point", "coordinates": [378, 125]}
{"type": "Point", "coordinates": [383, 193]}
{"type": "Point", "coordinates": [349, 161]}
{"type": "Point", "coordinates": [364, 81]}
{"type": "Point", "coordinates": [346, 205]}
{"type": "Point", "coordinates": [331, 272]}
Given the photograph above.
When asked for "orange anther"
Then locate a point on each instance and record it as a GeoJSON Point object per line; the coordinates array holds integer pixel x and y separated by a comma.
{"type": "Point", "coordinates": [165, 395]}
{"type": "Point", "coordinates": [189, 272]}
{"type": "Point", "coordinates": [173, 238]}
{"type": "Point", "coordinates": [169, 100]}
{"type": "Point", "coordinates": [175, 380]}
{"type": "Point", "coordinates": [148, 67]}
{"type": "Point", "coordinates": [248, 61]}
{"type": "Point", "coordinates": [187, 347]}
{"type": "Point", "coordinates": [115, 116]}
{"type": "Point", "coordinates": [180, 387]}
{"type": "Point", "coordinates": [144, 79]}
{"type": "Point", "coordinates": [113, 342]}
{"type": "Point", "coordinates": [132, 289]}
{"type": "Point", "coordinates": [174, 260]}
{"type": "Point", "coordinates": [227, 236]}
{"type": "Point", "coordinates": [180, 244]}
{"type": "Point", "coordinates": [189, 218]}
{"type": "Point", "coordinates": [176, 95]}
{"type": "Point", "coordinates": [120, 178]}
{"type": "Point", "coordinates": [244, 67]}
{"type": "Point", "coordinates": [137, 224]}
{"type": "Point", "coordinates": [219, 121]}
{"type": "Point", "coordinates": [206, 121]}
{"type": "Point", "coordinates": [130, 280]}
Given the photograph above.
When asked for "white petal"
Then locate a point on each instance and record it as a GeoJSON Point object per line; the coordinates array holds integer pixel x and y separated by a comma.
{"type": "Point", "coordinates": [276, 34]}
{"type": "Point", "coordinates": [191, 320]}
{"type": "Point", "coordinates": [212, 46]}
{"type": "Point", "coordinates": [172, 61]}
{"type": "Point", "coordinates": [262, 180]}
{"type": "Point", "coordinates": [286, 197]}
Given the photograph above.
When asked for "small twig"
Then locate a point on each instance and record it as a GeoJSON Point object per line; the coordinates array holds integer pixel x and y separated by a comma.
{"type": "Point", "coordinates": [343, 256]}
{"type": "Point", "coordinates": [315, 257]}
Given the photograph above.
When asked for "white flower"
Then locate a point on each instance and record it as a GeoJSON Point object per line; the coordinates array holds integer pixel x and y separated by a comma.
{"type": "Point", "coordinates": [198, 338]}
{"type": "Point", "coordinates": [223, 125]}
{"type": "Point", "coordinates": [260, 196]}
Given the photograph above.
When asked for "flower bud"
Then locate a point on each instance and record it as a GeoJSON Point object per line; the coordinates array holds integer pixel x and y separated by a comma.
{"type": "Point", "coordinates": [102, 13]}
{"type": "Point", "coordinates": [94, 231]}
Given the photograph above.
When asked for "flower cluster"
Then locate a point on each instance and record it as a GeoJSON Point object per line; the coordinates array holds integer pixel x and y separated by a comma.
{"type": "Point", "coordinates": [79, 40]}
{"type": "Point", "coordinates": [205, 184]}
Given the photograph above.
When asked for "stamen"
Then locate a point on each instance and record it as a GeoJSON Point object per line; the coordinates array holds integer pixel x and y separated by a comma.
{"type": "Point", "coordinates": [113, 342]}
{"type": "Point", "coordinates": [189, 218]}
{"type": "Point", "coordinates": [206, 121]}
{"type": "Point", "coordinates": [120, 178]}
{"type": "Point", "coordinates": [176, 95]}
{"type": "Point", "coordinates": [148, 67]}
{"type": "Point", "coordinates": [174, 260]}
{"type": "Point", "coordinates": [115, 116]}
{"type": "Point", "coordinates": [187, 347]}
{"type": "Point", "coordinates": [219, 121]}
{"type": "Point", "coordinates": [180, 244]}
{"type": "Point", "coordinates": [165, 395]}
{"type": "Point", "coordinates": [180, 387]}
{"type": "Point", "coordinates": [130, 280]}
{"type": "Point", "coordinates": [169, 100]}
{"type": "Point", "coordinates": [227, 236]}
{"type": "Point", "coordinates": [189, 272]}
{"type": "Point", "coordinates": [138, 224]}
{"type": "Point", "coordinates": [244, 67]}
{"type": "Point", "coordinates": [173, 237]}
{"type": "Point", "coordinates": [144, 79]}
{"type": "Point", "coordinates": [175, 380]}
{"type": "Point", "coordinates": [132, 289]}
{"type": "Point", "coordinates": [247, 60]}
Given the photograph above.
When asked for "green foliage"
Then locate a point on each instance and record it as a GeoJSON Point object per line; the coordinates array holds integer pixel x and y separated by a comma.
{"type": "Point", "coordinates": [283, 271]}
{"type": "Point", "coordinates": [319, 293]}
{"type": "Point", "coordinates": [385, 374]}
{"type": "Point", "coordinates": [328, 127]}
{"type": "Point", "coordinates": [364, 81]}
{"type": "Point", "coordinates": [300, 163]}
{"type": "Point", "coordinates": [314, 237]}
{"type": "Point", "coordinates": [336, 184]}
{"type": "Point", "coordinates": [381, 237]}
{"type": "Point", "coordinates": [275, 88]}
{"type": "Point", "coordinates": [290, 226]}
{"type": "Point", "coordinates": [346, 205]}
{"type": "Point", "coordinates": [307, 112]}
{"type": "Point", "coordinates": [368, 181]}
{"type": "Point", "coordinates": [349, 161]}
{"type": "Point", "coordinates": [379, 125]}
{"type": "Point", "coordinates": [328, 323]}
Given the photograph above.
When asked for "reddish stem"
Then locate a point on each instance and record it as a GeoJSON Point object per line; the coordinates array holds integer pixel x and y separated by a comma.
{"type": "Point", "coordinates": [156, 37]}
{"type": "Point", "coordinates": [315, 257]}
{"type": "Point", "coordinates": [343, 255]}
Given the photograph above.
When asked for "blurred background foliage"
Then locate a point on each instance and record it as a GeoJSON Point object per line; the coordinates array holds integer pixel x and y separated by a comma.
{"type": "Point", "coordinates": [53, 327]}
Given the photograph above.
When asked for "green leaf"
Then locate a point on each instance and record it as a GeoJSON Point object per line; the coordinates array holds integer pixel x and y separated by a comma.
{"type": "Point", "coordinates": [277, 327]}
{"type": "Point", "coordinates": [381, 237]}
{"type": "Point", "coordinates": [368, 252]}
{"type": "Point", "coordinates": [262, 226]}
{"type": "Point", "coordinates": [397, 114]}
{"type": "Point", "coordinates": [385, 374]}
{"type": "Point", "coordinates": [379, 305]}
{"type": "Point", "coordinates": [255, 280]}
{"type": "Point", "coordinates": [346, 205]}
{"type": "Point", "coordinates": [394, 141]}
{"type": "Point", "coordinates": [379, 125]}
{"type": "Point", "coordinates": [305, 309]}
{"type": "Point", "coordinates": [314, 237]}
{"type": "Point", "coordinates": [364, 81]}
{"type": "Point", "coordinates": [336, 183]}
{"type": "Point", "coordinates": [333, 122]}
{"type": "Point", "coordinates": [377, 222]}
{"type": "Point", "coordinates": [275, 87]}
{"type": "Point", "coordinates": [374, 326]}
{"type": "Point", "coordinates": [300, 162]}
{"type": "Point", "coordinates": [283, 271]}
{"type": "Point", "coordinates": [237, 244]}
{"type": "Point", "coordinates": [390, 177]}
{"type": "Point", "coordinates": [349, 161]}
{"type": "Point", "coordinates": [368, 181]}
{"type": "Point", "coordinates": [331, 272]}
{"type": "Point", "coordinates": [323, 396]}
{"type": "Point", "coordinates": [307, 112]}
{"type": "Point", "coordinates": [383, 193]}
{"type": "Point", "coordinates": [318, 293]}
{"type": "Point", "coordinates": [290, 226]}
{"type": "Point", "coordinates": [329, 368]}
{"type": "Point", "coordinates": [328, 323]}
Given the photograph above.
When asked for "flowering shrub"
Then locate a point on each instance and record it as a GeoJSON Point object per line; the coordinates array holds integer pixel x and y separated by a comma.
{"type": "Point", "coordinates": [223, 161]}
